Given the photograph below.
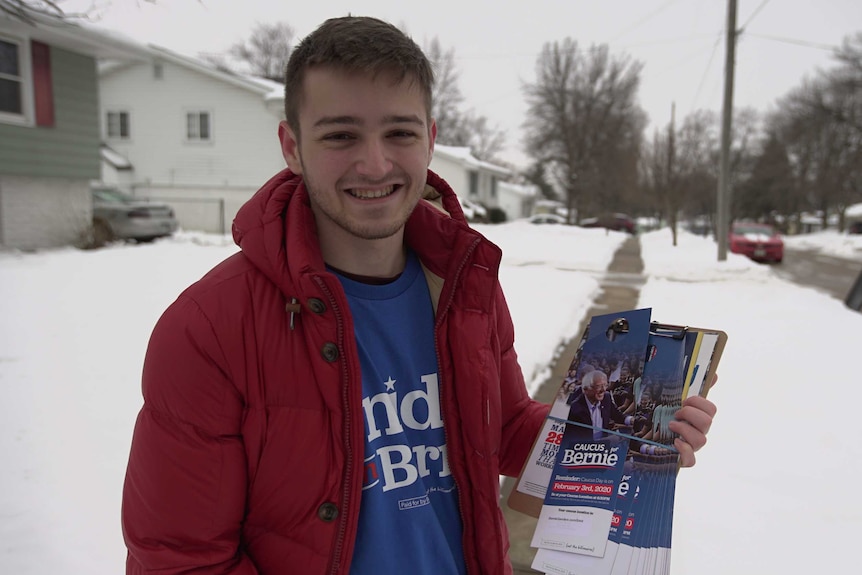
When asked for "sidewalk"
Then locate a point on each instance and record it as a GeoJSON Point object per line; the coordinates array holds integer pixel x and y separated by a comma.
{"type": "Point", "coordinates": [620, 289]}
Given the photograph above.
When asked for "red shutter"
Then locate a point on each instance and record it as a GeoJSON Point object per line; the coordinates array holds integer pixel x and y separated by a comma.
{"type": "Point", "coordinates": [43, 89]}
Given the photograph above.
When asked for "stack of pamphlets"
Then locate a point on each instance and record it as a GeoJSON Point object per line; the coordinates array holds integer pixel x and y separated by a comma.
{"type": "Point", "coordinates": [602, 474]}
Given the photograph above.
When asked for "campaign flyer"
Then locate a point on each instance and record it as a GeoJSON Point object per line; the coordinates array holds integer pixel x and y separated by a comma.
{"type": "Point", "coordinates": [648, 369]}
{"type": "Point", "coordinates": [579, 505]}
{"type": "Point", "coordinates": [564, 563]}
{"type": "Point", "coordinates": [536, 474]}
{"type": "Point", "coordinates": [630, 526]}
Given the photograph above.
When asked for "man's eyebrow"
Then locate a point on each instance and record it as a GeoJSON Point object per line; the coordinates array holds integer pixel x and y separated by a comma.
{"type": "Point", "coordinates": [335, 120]}
{"type": "Point", "coordinates": [410, 119]}
{"type": "Point", "coordinates": [354, 121]}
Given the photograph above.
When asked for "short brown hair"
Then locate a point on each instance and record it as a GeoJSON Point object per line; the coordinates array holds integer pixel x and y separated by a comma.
{"type": "Point", "coordinates": [356, 44]}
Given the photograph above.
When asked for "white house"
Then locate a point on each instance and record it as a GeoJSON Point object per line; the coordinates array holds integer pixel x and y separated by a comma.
{"type": "Point", "coordinates": [470, 177]}
{"type": "Point", "coordinates": [516, 200]}
{"type": "Point", "coordinates": [179, 130]}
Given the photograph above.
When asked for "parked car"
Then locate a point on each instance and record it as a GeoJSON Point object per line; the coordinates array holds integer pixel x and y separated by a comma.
{"type": "Point", "coordinates": [473, 211]}
{"type": "Point", "coordinates": [760, 242]}
{"type": "Point", "coordinates": [119, 216]}
{"type": "Point", "coordinates": [617, 222]}
{"type": "Point", "coordinates": [547, 219]}
{"type": "Point", "coordinates": [855, 228]}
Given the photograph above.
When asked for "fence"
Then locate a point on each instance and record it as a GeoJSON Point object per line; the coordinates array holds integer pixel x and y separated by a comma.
{"type": "Point", "coordinates": [198, 214]}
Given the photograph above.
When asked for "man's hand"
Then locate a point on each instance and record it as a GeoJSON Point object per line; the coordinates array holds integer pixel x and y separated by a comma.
{"type": "Point", "coordinates": [693, 421]}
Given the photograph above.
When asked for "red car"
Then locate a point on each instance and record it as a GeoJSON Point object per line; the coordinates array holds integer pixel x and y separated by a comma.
{"type": "Point", "coordinates": [617, 222]}
{"type": "Point", "coordinates": [760, 242]}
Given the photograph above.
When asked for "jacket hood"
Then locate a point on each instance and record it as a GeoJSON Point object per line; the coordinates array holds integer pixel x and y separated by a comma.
{"type": "Point", "coordinates": [279, 214]}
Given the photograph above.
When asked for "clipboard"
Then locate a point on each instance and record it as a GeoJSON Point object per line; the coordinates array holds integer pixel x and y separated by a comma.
{"type": "Point", "coordinates": [528, 494]}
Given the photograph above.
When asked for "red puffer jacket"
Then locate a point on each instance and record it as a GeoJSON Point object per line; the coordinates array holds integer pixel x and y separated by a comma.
{"type": "Point", "coordinates": [247, 456]}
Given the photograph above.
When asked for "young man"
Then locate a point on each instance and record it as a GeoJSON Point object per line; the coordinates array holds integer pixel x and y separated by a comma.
{"type": "Point", "coordinates": [341, 396]}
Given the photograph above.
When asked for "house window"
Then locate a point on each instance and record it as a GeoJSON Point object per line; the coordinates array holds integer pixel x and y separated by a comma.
{"type": "Point", "coordinates": [474, 184]}
{"type": "Point", "coordinates": [198, 126]}
{"type": "Point", "coordinates": [12, 80]}
{"type": "Point", "coordinates": [493, 186]}
{"type": "Point", "coordinates": [26, 87]}
{"type": "Point", "coordinates": [118, 125]}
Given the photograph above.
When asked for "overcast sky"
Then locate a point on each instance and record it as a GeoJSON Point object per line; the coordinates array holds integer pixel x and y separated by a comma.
{"type": "Point", "coordinates": [680, 42]}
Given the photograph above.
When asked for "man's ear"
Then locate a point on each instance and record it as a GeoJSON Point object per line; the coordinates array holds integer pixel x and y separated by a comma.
{"type": "Point", "coordinates": [432, 137]}
{"type": "Point", "coordinates": [289, 147]}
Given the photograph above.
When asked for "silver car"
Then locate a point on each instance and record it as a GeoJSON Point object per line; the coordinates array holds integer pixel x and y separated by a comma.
{"type": "Point", "coordinates": [119, 216]}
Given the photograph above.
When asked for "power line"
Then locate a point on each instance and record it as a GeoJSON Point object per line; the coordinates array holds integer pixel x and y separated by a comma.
{"type": "Point", "coordinates": [706, 71]}
{"type": "Point", "coordinates": [665, 41]}
{"type": "Point", "coordinates": [645, 19]}
{"type": "Point", "coordinates": [807, 44]}
{"type": "Point", "coordinates": [753, 14]}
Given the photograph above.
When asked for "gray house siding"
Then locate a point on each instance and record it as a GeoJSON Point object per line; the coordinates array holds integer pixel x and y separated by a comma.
{"type": "Point", "coordinates": [45, 171]}
{"type": "Point", "coordinates": [69, 149]}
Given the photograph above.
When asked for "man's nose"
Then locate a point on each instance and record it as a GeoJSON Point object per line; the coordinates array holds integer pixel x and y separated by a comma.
{"type": "Point", "coordinates": [374, 160]}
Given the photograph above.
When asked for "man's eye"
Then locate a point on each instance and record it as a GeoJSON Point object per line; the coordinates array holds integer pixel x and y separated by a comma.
{"type": "Point", "coordinates": [338, 137]}
{"type": "Point", "coordinates": [402, 134]}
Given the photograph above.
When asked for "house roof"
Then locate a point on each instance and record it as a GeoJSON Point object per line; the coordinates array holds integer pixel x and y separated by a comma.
{"type": "Point", "coordinates": [463, 156]}
{"type": "Point", "coordinates": [525, 191]}
{"type": "Point", "coordinates": [267, 88]}
{"type": "Point", "coordinates": [114, 158]}
{"type": "Point", "coordinates": [74, 36]}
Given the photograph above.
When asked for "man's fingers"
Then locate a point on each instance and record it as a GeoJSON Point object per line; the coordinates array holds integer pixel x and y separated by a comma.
{"type": "Point", "coordinates": [686, 453]}
{"type": "Point", "coordinates": [692, 423]}
{"type": "Point", "coordinates": [700, 403]}
{"type": "Point", "coordinates": [712, 382]}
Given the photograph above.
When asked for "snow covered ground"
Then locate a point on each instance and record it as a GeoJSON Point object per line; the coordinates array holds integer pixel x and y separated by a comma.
{"type": "Point", "coordinates": [767, 495]}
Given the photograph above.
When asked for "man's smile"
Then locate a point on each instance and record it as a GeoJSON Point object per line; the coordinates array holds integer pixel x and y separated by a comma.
{"type": "Point", "coordinates": [369, 194]}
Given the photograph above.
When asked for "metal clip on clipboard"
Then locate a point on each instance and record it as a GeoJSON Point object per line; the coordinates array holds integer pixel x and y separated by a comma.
{"type": "Point", "coordinates": [665, 330]}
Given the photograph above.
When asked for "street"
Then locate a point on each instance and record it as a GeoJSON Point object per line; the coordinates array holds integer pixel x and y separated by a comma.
{"type": "Point", "coordinates": [829, 274]}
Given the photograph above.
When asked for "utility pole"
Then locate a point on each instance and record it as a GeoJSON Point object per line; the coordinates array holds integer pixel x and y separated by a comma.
{"type": "Point", "coordinates": [722, 225]}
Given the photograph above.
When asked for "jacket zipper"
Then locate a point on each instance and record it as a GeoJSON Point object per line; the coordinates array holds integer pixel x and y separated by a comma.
{"type": "Point", "coordinates": [348, 464]}
{"type": "Point", "coordinates": [443, 388]}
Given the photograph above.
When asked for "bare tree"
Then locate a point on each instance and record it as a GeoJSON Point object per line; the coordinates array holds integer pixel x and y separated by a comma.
{"type": "Point", "coordinates": [653, 173]}
{"type": "Point", "coordinates": [820, 125]}
{"type": "Point", "coordinates": [447, 97]}
{"type": "Point", "coordinates": [681, 169]}
{"type": "Point", "coordinates": [28, 10]}
{"type": "Point", "coordinates": [535, 175]}
{"type": "Point", "coordinates": [217, 60]}
{"type": "Point", "coordinates": [768, 191]}
{"type": "Point", "coordinates": [585, 125]}
{"type": "Point", "coordinates": [267, 50]}
{"type": "Point", "coordinates": [845, 85]}
{"type": "Point", "coordinates": [819, 122]}
{"type": "Point", "coordinates": [457, 126]}
{"type": "Point", "coordinates": [697, 163]}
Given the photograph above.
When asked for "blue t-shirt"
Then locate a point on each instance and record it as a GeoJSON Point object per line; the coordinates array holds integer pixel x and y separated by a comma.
{"type": "Point", "coordinates": [409, 520]}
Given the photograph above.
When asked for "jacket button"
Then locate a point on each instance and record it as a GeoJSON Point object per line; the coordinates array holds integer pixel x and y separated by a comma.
{"type": "Point", "coordinates": [327, 512]}
{"type": "Point", "coordinates": [329, 352]}
{"type": "Point", "coordinates": [316, 305]}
